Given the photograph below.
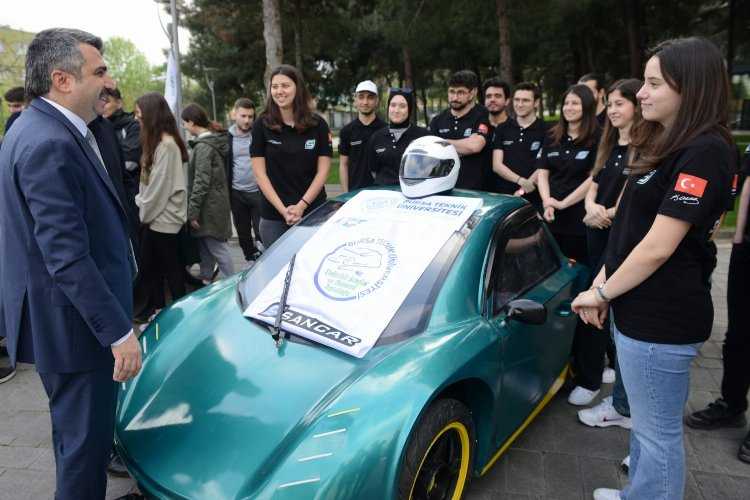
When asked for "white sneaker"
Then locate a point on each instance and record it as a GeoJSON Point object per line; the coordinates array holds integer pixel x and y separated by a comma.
{"type": "Point", "coordinates": [608, 376]}
{"type": "Point", "coordinates": [606, 494]}
{"type": "Point", "coordinates": [581, 397]}
{"type": "Point", "coordinates": [604, 415]}
{"type": "Point", "coordinates": [625, 464]}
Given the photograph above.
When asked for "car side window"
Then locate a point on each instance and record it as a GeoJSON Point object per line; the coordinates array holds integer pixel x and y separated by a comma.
{"type": "Point", "coordinates": [523, 261]}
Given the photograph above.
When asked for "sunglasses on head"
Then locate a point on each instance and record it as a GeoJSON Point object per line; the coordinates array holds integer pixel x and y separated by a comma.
{"type": "Point", "coordinates": [402, 90]}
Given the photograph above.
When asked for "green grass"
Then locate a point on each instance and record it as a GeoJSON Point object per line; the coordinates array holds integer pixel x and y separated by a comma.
{"type": "Point", "coordinates": [333, 175]}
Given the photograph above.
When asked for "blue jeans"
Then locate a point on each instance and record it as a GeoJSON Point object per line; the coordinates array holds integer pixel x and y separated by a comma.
{"type": "Point", "coordinates": [271, 230]}
{"type": "Point", "coordinates": [657, 380]}
{"type": "Point", "coordinates": [619, 396]}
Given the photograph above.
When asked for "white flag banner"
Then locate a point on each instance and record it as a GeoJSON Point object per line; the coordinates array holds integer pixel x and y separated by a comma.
{"type": "Point", "coordinates": [351, 277]}
{"type": "Point", "coordinates": [170, 85]}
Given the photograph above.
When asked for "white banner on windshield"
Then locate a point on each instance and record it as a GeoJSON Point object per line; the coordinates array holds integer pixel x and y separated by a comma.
{"type": "Point", "coordinates": [352, 276]}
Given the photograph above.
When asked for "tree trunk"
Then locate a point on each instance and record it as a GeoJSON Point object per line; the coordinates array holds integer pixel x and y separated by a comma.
{"type": "Point", "coordinates": [635, 46]}
{"type": "Point", "coordinates": [506, 58]}
{"type": "Point", "coordinates": [272, 36]}
{"type": "Point", "coordinates": [730, 38]}
{"type": "Point", "coordinates": [298, 36]}
{"type": "Point", "coordinates": [408, 67]}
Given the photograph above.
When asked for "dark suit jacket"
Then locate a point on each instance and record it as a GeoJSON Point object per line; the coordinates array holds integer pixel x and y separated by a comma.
{"type": "Point", "coordinates": [65, 272]}
{"type": "Point", "coordinates": [114, 161]}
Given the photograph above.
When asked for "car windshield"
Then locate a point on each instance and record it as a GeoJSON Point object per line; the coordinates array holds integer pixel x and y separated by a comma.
{"type": "Point", "coordinates": [410, 319]}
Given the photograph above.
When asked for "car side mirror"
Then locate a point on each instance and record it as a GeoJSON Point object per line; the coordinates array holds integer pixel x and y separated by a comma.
{"type": "Point", "coordinates": [526, 311]}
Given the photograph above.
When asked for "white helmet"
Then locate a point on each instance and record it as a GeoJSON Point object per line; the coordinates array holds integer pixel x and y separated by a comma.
{"type": "Point", "coordinates": [430, 165]}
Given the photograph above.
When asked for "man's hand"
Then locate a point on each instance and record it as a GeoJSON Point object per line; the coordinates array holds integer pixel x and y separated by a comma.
{"type": "Point", "coordinates": [127, 359]}
{"type": "Point", "coordinates": [194, 224]}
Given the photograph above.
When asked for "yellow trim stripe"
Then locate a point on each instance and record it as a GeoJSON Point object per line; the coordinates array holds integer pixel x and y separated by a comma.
{"type": "Point", "coordinates": [553, 390]}
{"type": "Point", "coordinates": [343, 412]}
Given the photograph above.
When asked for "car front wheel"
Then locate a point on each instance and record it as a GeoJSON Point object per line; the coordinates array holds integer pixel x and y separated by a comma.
{"type": "Point", "coordinates": [438, 457]}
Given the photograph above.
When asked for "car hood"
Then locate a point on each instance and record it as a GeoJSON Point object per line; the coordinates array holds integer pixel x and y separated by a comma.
{"type": "Point", "coordinates": [222, 399]}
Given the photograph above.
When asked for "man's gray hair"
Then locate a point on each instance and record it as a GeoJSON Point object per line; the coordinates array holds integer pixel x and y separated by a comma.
{"type": "Point", "coordinates": [55, 49]}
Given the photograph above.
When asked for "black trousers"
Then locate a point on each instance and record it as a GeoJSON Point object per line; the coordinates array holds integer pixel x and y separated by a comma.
{"type": "Point", "coordinates": [246, 214]}
{"type": "Point", "coordinates": [159, 261]}
{"type": "Point", "coordinates": [590, 343]}
{"type": "Point", "coordinates": [82, 409]}
{"type": "Point", "coordinates": [735, 382]}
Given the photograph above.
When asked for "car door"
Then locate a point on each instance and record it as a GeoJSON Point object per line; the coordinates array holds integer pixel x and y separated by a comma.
{"type": "Point", "coordinates": [525, 263]}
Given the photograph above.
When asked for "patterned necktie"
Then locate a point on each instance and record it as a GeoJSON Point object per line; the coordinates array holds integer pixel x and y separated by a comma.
{"type": "Point", "coordinates": [92, 142]}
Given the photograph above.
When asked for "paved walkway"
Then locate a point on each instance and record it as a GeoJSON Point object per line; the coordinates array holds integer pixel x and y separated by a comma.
{"type": "Point", "coordinates": [555, 458]}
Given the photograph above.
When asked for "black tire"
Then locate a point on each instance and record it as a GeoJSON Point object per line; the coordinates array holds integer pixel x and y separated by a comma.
{"type": "Point", "coordinates": [439, 455]}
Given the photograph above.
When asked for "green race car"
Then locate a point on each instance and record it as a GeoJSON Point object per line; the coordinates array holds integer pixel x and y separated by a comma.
{"type": "Point", "coordinates": [477, 347]}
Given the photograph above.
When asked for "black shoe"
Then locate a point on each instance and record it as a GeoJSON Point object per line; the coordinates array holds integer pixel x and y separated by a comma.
{"type": "Point", "coordinates": [144, 315]}
{"type": "Point", "coordinates": [717, 414]}
{"type": "Point", "coordinates": [744, 453]}
{"type": "Point", "coordinates": [6, 373]}
{"type": "Point", "coordinates": [117, 468]}
{"type": "Point", "coordinates": [131, 496]}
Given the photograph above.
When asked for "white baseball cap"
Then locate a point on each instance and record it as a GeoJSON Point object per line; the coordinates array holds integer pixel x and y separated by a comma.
{"type": "Point", "coordinates": [367, 86]}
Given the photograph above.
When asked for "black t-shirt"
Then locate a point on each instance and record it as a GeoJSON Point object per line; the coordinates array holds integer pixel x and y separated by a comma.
{"type": "Point", "coordinates": [354, 139]}
{"type": "Point", "coordinates": [291, 161]}
{"type": "Point", "coordinates": [611, 178]}
{"type": "Point", "coordinates": [385, 152]}
{"type": "Point", "coordinates": [520, 147]}
{"type": "Point", "coordinates": [569, 165]}
{"type": "Point", "coordinates": [473, 173]}
{"type": "Point", "coordinates": [673, 305]}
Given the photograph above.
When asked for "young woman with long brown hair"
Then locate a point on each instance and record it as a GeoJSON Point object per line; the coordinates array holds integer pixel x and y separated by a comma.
{"type": "Point", "coordinates": [608, 178]}
{"type": "Point", "coordinates": [162, 197]}
{"type": "Point", "coordinates": [661, 255]}
{"type": "Point", "coordinates": [564, 163]}
{"type": "Point", "coordinates": [291, 151]}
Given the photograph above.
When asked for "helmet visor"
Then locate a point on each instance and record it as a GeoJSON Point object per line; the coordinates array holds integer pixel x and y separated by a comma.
{"type": "Point", "coordinates": [416, 166]}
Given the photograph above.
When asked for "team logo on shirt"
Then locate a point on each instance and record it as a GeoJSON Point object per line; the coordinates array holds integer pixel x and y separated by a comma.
{"type": "Point", "coordinates": [552, 154]}
{"type": "Point", "coordinates": [355, 143]}
{"type": "Point", "coordinates": [645, 178]}
{"type": "Point", "coordinates": [691, 184]}
{"type": "Point", "coordinates": [310, 144]}
{"type": "Point", "coordinates": [467, 132]}
{"type": "Point", "coordinates": [274, 141]}
{"type": "Point", "coordinates": [536, 145]}
{"type": "Point", "coordinates": [507, 143]}
{"type": "Point", "coordinates": [444, 130]}
{"type": "Point", "coordinates": [582, 155]}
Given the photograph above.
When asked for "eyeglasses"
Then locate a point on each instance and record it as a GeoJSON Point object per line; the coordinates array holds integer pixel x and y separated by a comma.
{"type": "Point", "coordinates": [459, 93]}
{"type": "Point", "coordinates": [403, 90]}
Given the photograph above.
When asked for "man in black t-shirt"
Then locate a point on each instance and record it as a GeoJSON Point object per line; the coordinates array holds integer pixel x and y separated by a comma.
{"type": "Point", "coordinates": [355, 138]}
{"type": "Point", "coordinates": [466, 126]}
{"type": "Point", "coordinates": [516, 144]}
{"type": "Point", "coordinates": [729, 409]}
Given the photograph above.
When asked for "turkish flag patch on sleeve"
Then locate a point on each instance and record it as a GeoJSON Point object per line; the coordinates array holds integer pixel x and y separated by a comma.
{"type": "Point", "coordinates": [483, 128]}
{"type": "Point", "coordinates": [691, 184]}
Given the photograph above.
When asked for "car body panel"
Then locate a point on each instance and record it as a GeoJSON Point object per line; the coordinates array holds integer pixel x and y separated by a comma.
{"type": "Point", "coordinates": [219, 412]}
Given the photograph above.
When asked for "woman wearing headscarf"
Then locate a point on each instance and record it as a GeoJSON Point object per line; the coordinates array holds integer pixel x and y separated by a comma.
{"type": "Point", "coordinates": [388, 144]}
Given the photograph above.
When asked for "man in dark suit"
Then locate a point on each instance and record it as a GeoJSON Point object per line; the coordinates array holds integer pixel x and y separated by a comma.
{"type": "Point", "coordinates": [65, 259]}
